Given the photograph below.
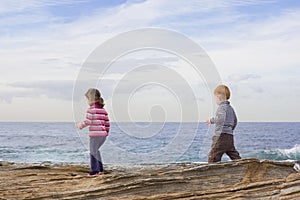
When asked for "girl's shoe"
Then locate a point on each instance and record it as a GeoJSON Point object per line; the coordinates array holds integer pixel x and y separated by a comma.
{"type": "Point", "coordinates": [101, 173]}
{"type": "Point", "coordinates": [93, 174]}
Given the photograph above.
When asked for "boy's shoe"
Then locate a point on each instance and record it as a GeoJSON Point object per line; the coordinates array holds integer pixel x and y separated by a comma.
{"type": "Point", "coordinates": [93, 174]}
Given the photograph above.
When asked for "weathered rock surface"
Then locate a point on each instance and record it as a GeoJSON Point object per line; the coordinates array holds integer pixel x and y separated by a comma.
{"type": "Point", "coordinates": [243, 179]}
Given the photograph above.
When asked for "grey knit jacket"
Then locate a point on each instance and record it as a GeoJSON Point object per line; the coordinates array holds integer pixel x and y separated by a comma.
{"type": "Point", "coordinates": [225, 119]}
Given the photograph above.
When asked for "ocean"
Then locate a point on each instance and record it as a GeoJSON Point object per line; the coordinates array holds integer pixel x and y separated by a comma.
{"type": "Point", "coordinates": [32, 142]}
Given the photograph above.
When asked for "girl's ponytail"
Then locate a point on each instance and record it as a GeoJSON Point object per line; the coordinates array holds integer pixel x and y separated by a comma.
{"type": "Point", "coordinates": [101, 102]}
{"type": "Point", "coordinates": [94, 95]}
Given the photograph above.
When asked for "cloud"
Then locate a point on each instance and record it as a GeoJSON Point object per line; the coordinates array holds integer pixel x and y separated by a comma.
{"type": "Point", "coordinates": [51, 89]}
{"type": "Point", "coordinates": [54, 89]}
{"type": "Point", "coordinates": [40, 48]}
{"type": "Point", "coordinates": [242, 77]}
{"type": "Point", "coordinates": [15, 6]}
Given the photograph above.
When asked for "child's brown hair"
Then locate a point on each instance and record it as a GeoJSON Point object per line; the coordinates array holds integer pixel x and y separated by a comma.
{"type": "Point", "coordinates": [94, 95]}
{"type": "Point", "coordinates": [223, 90]}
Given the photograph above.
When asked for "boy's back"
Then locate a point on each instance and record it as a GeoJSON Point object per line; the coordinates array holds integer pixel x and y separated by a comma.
{"type": "Point", "coordinates": [225, 119]}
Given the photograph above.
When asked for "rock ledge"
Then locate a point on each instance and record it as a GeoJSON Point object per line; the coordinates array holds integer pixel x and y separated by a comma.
{"type": "Point", "coordinates": [243, 179]}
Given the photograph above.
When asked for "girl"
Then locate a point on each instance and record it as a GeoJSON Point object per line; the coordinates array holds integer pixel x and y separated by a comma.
{"type": "Point", "coordinates": [98, 122]}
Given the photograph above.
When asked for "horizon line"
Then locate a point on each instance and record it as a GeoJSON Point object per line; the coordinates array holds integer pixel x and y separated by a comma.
{"type": "Point", "coordinates": [147, 122]}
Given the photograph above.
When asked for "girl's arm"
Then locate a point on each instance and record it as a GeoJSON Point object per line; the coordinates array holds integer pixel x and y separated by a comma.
{"type": "Point", "coordinates": [107, 123]}
{"type": "Point", "coordinates": [84, 124]}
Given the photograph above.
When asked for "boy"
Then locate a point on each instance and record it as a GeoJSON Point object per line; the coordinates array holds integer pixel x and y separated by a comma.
{"type": "Point", "coordinates": [225, 122]}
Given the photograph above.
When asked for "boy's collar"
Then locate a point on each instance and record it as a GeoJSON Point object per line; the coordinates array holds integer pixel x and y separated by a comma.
{"type": "Point", "coordinates": [225, 102]}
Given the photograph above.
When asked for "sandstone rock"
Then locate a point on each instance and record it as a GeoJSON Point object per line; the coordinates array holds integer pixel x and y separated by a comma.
{"type": "Point", "coordinates": [243, 179]}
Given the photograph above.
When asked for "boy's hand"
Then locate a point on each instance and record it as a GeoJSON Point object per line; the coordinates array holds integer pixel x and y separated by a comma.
{"type": "Point", "coordinates": [208, 122]}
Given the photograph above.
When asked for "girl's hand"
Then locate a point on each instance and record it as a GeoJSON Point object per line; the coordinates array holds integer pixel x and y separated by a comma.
{"type": "Point", "coordinates": [208, 122]}
{"type": "Point", "coordinates": [77, 125]}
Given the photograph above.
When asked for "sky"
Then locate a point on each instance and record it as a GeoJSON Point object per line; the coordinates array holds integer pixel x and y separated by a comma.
{"type": "Point", "coordinates": [254, 45]}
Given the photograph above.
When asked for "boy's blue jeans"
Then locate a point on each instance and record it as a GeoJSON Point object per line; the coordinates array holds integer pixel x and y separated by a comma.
{"type": "Point", "coordinates": [95, 156]}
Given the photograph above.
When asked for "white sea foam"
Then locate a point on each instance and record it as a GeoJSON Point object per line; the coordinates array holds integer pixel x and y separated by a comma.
{"type": "Point", "coordinates": [292, 154]}
{"type": "Point", "coordinates": [295, 150]}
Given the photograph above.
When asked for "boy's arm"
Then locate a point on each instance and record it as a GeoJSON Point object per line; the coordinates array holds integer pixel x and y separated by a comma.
{"type": "Point", "coordinates": [219, 119]}
{"type": "Point", "coordinates": [212, 120]}
{"type": "Point", "coordinates": [234, 120]}
{"type": "Point", "coordinates": [220, 116]}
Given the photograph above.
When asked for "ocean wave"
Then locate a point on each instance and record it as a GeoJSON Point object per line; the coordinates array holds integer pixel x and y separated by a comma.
{"type": "Point", "coordinates": [281, 154]}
